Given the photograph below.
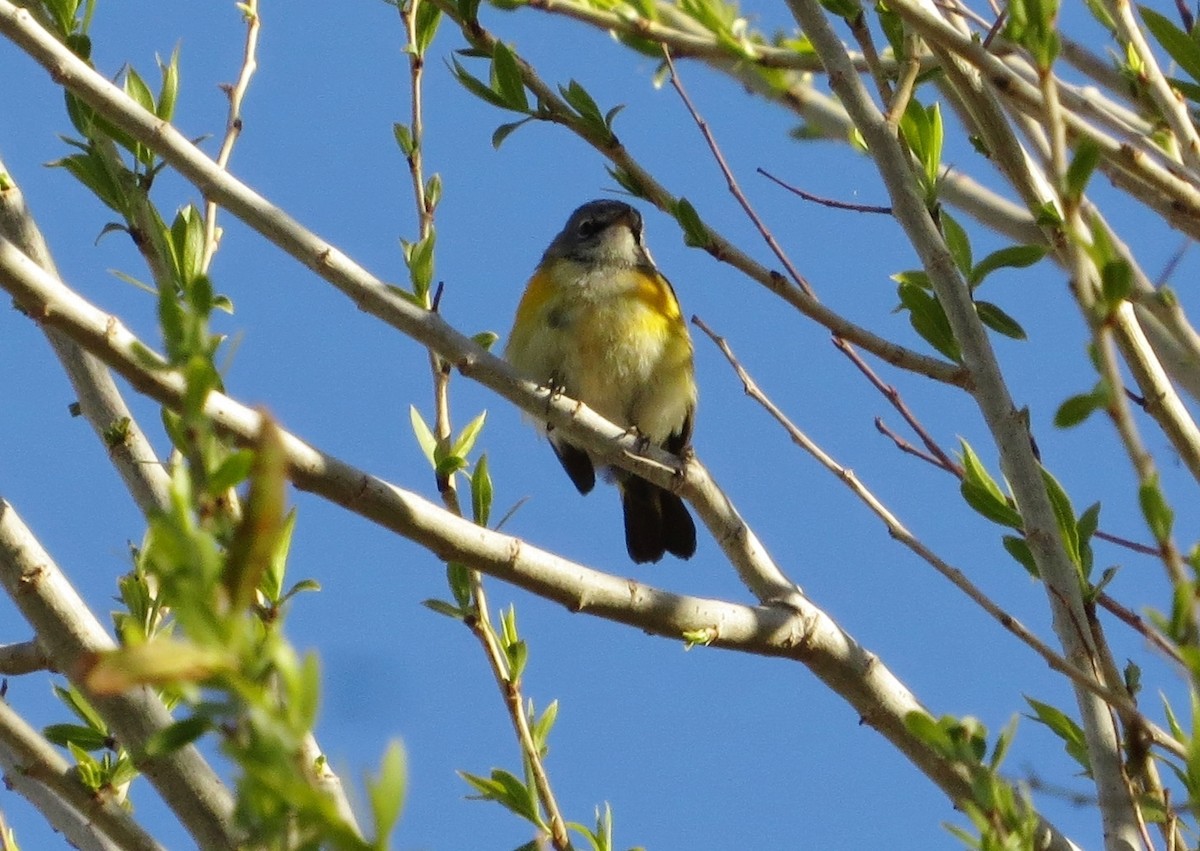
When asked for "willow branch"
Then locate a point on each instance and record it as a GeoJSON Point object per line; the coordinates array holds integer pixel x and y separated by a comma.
{"type": "Point", "coordinates": [35, 760]}
{"type": "Point", "coordinates": [70, 633]}
{"type": "Point", "coordinates": [1003, 419]}
{"type": "Point", "coordinates": [100, 400]}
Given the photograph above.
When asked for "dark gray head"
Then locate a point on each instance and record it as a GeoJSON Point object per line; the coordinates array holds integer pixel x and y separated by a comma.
{"type": "Point", "coordinates": [603, 231]}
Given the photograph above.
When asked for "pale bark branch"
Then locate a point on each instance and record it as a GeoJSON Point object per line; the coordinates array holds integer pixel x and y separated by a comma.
{"type": "Point", "coordinates": [70, 633]}
{"type": "Point", "coordinates": [33, 760]}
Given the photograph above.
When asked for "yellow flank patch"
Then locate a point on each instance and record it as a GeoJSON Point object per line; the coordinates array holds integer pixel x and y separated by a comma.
{"type": "Point", "coordinates": [654, 291]}
{"type": "Point", "coordinates": [540, 289]}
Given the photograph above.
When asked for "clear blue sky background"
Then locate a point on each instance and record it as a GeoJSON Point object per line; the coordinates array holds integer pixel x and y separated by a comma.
{"type": "Point", "coordinates": [699, 749]}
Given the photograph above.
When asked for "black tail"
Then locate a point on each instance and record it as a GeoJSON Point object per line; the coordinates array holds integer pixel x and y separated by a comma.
{"type": "Point", "coordinates": [656, 522]}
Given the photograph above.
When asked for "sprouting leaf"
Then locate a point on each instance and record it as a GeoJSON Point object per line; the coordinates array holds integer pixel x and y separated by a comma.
{"type": "Point", "coordinates": [999, 321]}
{"type": "Point", "coordinates": [506, 79]}
{"type": "Point", "coordinates": [1013, 257]}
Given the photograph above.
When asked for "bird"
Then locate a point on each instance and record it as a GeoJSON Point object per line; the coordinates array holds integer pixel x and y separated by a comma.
{"type": "Point", "coordinates": [599, 323]}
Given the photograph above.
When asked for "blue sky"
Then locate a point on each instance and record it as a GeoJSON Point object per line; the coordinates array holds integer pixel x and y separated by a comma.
{"type": "Point", "coordinates": [693, 749]}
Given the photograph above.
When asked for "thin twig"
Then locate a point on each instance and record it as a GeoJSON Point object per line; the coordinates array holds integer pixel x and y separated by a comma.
{"type": "Point", "coordinates": [1118, 699]}
{"type": "Point", "coordinates": [731, 181]}
{"type": "Point", "coordinates": [233, 124]}
{"type": "Point", "coordinates": [826, 202]}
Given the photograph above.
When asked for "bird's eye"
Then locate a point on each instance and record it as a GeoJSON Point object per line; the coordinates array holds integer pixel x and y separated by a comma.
{"type": "Point", "coordinates": [588, 228]}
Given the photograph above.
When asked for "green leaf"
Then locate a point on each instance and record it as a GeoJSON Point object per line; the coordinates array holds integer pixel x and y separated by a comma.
{"type": "Point", "coordinates": [506, 79]}
{"type": "Point", "coordinates": [957, 242]}
{"type": "Point", "coordinates": [1076, 409]}
{"type": "Point", "coordinates": [486, 339]}
{"type": "Point", "coordinates": [1063, 727]}
{"type": "Point", "coordinates": [420, 264]}
{"type": "Point", "coordinates": [916, 277]}
{"type": "Point", "coordinates": [404, 138]}
{"type": "Point", "coordinates": [1155, 509]}
{"type": "Point", "coordinates": [505, 130]}
{"type": "Point", "coordinates": [1181, 47]}
{"type": "Point", "coordinates": [583, 103]}
{"type": "Point", "coordinates": [89, 170]}
{"type": "Point", "coordinates": [176, 736]}
{"type": "Point", "coordinates": [928, 319]}
{"type": "Point", "coordinates": [475, 86]}
{"type": "Point", "coordinates": [424, 435]}
{"type": "Point", "coordinates": [137, 89]}
{"type": "Point", "coordinates": [433, 191]}
{"type": "Point", "coordinates": [481, 492]}
{"type": "Point", "coordinates": [231, 472]}
{"type": "Point", "coordinates": [1116, 282]}
{"type": "Point", "coordinates": [999, 321]}
{"type": "Point", "coordinates": [387, 792]}
{"type": "Point", "coordinates": [427, 19]}
{"type": "Point", "coordinates": [694, 232]}
{"type": "Point", "coordinates": [444, 608]}
{"type": "Point", "coordinates": [982, 493]}
{"type": "Point", "coordinates": [1083, 163]}
{"type": "Point", "coordinates": [169, 92]}
{"type": "Point", "coordinates": [505, 789]}
{"type": "Point", "coordinates": [847, 9]}
{"type": "Point", "coordinates": [458, 577]}
{"type": "Point", "coordinates": [82, 737]}
{"type": "Point", "coordinates": [465, 441]}
{"type": "Point", "coordinates": [1019, 550]}
{"type": "Point", "coordinates": [1065, 515]}
{"type": "Point", "coordinates": [1012, 257]}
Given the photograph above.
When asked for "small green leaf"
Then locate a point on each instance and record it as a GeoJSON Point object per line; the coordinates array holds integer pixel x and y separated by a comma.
{"type": "Point", "coordinates": [1063, 727]}
{"type": "Point", "coordinates": [1019, 550]}
{"type": "Point", "coordinates": [982, 493]}
{"type": "Point", "coordinates": [505, 130]}
{"type": "Point", "coordinates": [1013, 257]}
{"type": "Point", "coordinates": [82, 737]}
{"type": "Point", "coordinates": [475, 86]}
{"type": "Point", "coordinates": [1155, 509]}
{"type": "Point", "coordinates": [916, 277]}
{"type": "Point", "coordinates": [506, 79]}
{"type": "Point", "coordinates": [420, 264]}
{"type": "Point", "coordinates": [458, 577]}
{"type": "Point", "coordinates": [444, 608]}
{"type": "Point", "coordinates": [486, 339]}
{"type": "Point", "coordinates": [176, 736]}
{"type": "Point", "coordinates": [694, 232]}
{"type": "Point", "coordinates": [481, 492]}
{"type": "Point", "coordinates": [404, 138]}
{"type": "Point", "coordinates": [928, 319]}
{"type": "Point", "coordinates": [847, 9]}
{"type": "Point", "coordinates": [1065, 515]}
{"type": "Point", "coordinates": [999, 321]}
{"type": "Point", "coordinates": [1076, 409]}
{"type": "Point", "coordinates": [387, 792]}
{"type": "Point", "coordinates": [465, 441]}
{"type": "Point", "coordinates": [1079, 172]}
{"type": "Point", "coordinates": [169, 92]}
{"type": "Point", "coordinates": [957, 242]}
{"type": "Point", "coordinates": [422, 432]}
{"type": "Point", "coordinates": [427, 19]}
{"type": "Point", "coordinates": [231, 472]}
{"type": "Point", "coordinates": [583, 103]}
{"type": "Point", "coordinates": [137, 89]}
{"type": "Point", "coordinates": [1116, 282]}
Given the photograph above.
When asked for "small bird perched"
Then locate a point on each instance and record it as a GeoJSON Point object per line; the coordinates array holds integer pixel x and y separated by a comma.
{"type": "Point", "coordinates": [600, 323]}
